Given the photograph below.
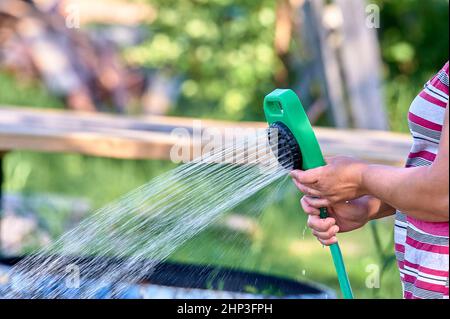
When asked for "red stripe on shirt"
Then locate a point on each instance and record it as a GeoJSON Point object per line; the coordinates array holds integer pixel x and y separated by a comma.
{"type": "Point", "coordinates": [400, 248]}
{"type": "Point", "coordinates": [430, 286]}
{"type": "Point", "coordinates": [423, 122]}
{"type": "Point", "coordinates": [423, 154]}
{"type": "Point", "coordinates": [425, 285]}
{"type": "Point", "coordinates": [432, 99]}
{"type": "Point", "coordinates": [425, 270]}
{"type": "Point", "coordinates": [435, 228]}
{"type": "Point", "coordinates": [440, 86]}
{"type": "Point", "coordinates": [442, 250]}
{"type": "Point", "coordinates": [408, 295]}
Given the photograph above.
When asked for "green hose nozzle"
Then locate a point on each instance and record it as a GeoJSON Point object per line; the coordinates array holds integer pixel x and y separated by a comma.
{"type": "Point", "coordinates": [297, 145]}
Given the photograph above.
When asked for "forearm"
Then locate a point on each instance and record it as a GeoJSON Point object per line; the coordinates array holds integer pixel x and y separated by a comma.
{"type": "Point", "coordinates": [378, 209]}
{"type": "Point", "coordinates": [420, 192]}
{"type": "Point", "coordinates": [417, 191]}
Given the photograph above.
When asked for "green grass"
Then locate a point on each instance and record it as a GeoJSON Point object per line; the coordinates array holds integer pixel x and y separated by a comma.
{"type": "Point", "coordinates": [25, 93]}
{"type": "Point", "coordinates": [398, 95]}
{"type": "Point", "coordinates": [277, 248]}
{"type": "Point", "coordinates": [98, 179]}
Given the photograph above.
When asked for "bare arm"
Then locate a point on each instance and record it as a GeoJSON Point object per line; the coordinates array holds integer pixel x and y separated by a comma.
{"type": "Point", "coordinates": [379, 209]}
{"type": "Point", "coordinates": [420, 192]}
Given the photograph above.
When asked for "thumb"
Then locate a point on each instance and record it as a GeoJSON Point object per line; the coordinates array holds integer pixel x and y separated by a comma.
{"type": "Point", "coordinates": [305, 177]}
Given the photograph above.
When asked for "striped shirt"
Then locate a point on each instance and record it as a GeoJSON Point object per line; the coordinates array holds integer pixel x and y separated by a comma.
{"type": "Point", "coordinates": [421, 247]}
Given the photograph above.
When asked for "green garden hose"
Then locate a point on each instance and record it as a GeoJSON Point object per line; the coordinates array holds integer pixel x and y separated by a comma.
{"type": "Point", "coordinates": [296, 140]}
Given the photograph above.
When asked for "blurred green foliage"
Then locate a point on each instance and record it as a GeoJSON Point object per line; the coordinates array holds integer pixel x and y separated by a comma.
{"type": "Point", "coordinates": [224, 51]}
{"type": "Point", "coordinates": [222, 48]}
{"type": "Point", "coordinates": [14, 92]}
{"type": "Point", "coordinates": [414, 40]}
{"type": "Point", "coordinates": [414, 37]}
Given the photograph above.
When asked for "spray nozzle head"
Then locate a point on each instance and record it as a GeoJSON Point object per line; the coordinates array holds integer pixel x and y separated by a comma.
{"type": "Point", "coordinates": [284, 146]}
{"type": "Point", "coordinates": [296, 146]}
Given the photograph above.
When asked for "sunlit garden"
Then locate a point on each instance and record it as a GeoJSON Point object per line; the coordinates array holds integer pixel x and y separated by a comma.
{"type": "Point", "coordinates": [215, 60]}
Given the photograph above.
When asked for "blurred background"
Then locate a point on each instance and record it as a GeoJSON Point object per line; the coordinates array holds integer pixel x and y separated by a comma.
{"type": "Point", "coordinates": [354, 64]}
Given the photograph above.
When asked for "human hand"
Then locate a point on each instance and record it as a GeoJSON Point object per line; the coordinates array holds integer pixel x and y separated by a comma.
{"type": "Point", "coordinates": [338, 181]}
{"type": "Point", "coordinates": [343, 217]}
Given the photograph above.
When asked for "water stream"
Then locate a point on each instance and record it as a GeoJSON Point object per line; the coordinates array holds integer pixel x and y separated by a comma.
{"type": "Point", "coordinates": [149, 223]}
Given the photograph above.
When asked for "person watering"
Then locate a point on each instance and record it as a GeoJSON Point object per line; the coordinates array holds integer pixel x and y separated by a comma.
{"type": "Point", "coordinates": [356, 192]}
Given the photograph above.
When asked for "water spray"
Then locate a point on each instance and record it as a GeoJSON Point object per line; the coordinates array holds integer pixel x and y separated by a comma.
{"type": "Point", "coordinates": [291, 136]}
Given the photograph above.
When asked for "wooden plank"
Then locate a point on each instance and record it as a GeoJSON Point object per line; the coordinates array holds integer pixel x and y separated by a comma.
{"type": "Point", "coordinates": [150, 137]}
{"type": "Point", "coordinates": [109, 11]}
{"type": "Point", "coordinates": [375, 146]}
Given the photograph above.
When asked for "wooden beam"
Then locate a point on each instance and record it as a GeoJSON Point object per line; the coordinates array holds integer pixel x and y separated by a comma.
{"type": "Point", "coordinates": [150, 137]}
{"type": "Point", "coordinates": [109, 11]}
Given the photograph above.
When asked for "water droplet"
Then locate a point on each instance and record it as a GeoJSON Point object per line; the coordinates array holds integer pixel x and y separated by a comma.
{"type": "Point", "coordinates": [304, 231]}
